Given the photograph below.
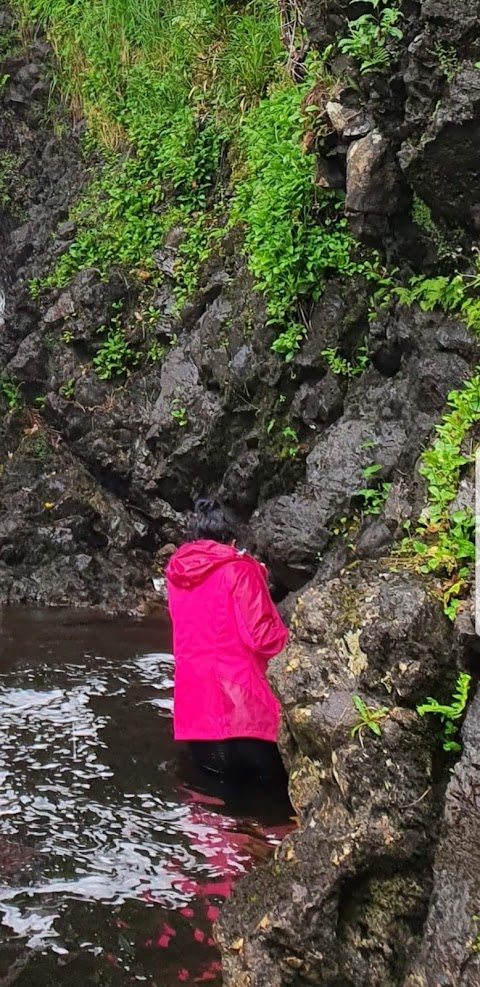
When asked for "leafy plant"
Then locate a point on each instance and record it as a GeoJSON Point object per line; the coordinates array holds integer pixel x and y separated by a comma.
{"type": "Point", "coordinates": [288, 342]}
{"type": "Point", "coordinates": [444, 541]}
{"type": "Point", "coordinates": [474, 944]}
{"type": "Point", "coordinates": [156, 352]}
{"type": "Point", "coordinates": [449, 713]}
{"type": "Point", "coordinates": [458, 294]}
{"type": "Point", "coordinates": [67, 389]}
{"type": "Point", "coordinates": [342, 367]}
{"type": "Point", "coordinates": [295, 233]}
{"type": "Point", "coordinates": [373, 497]}
{"type": "Point", "coordinates": [448, 60]}
{"type": "Point", "coordinates": [369, 36]}
{"type": "Point", "coordinates": [179, 414]}
{"type": "Point", "coordinates": [197, 66]}
{"type": "Point", "coordinates": [11, 391]}
{"type": "Point", "coordinates": [116, 355]}
{"type": "Point", "coordinates": [369, 718]}
{"type": "Point", "coordinates": [290, 445]}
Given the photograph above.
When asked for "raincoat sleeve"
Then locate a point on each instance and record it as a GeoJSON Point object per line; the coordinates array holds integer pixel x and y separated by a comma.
{"type": "Point", "coordinates": [258, 622]}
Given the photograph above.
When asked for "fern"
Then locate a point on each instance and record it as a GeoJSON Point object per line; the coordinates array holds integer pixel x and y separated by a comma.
{"type": "Point", "coordinates": [449, 713]}
{"type": "Point", "coordinates": [457, 294]}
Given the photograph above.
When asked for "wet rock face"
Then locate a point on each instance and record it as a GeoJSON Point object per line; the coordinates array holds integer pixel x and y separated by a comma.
{"type": "Point", "coordinates": [449, 953]}
{"type": "Point", "coordinates": [432, 164]}
{"type": "Point", "coordinates": [286, 446]}
{"type": "Point", "coordinates": [379, 887]}
{"type": "Point", "coordinates": [388, 416]}
{"type": "Point", "coordinates": [62, 538]}
{"type": "Point", "coordinates": [347, 895]}
{"type": "Point", "coordinates": [402, 133]}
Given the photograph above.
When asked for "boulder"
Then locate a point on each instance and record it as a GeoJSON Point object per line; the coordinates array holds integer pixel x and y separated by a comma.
{"type": "Point", "coordinates": [440, 176]}
{"type": "Point", "coordinates": [374, 181]}
{"type": "Point", "coordinates": [343, 899]}
{"type": "Point", "coordinates": [450, 952]}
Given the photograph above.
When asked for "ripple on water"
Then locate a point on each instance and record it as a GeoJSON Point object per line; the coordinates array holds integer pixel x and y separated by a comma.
{"type": "Point", "coordinates": [88, 783]}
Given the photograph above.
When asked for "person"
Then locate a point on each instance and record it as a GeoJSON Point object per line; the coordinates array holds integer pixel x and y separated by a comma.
{"type": "Point", "coordinates": [225, 630]}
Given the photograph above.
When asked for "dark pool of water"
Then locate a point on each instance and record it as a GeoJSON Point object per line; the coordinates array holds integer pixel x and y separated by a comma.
{"type": "Point", "coordinates": [115, 855]}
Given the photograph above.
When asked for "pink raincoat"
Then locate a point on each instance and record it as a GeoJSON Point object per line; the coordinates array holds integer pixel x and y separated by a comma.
{"type": "Point", "coordinates": [225, 630]}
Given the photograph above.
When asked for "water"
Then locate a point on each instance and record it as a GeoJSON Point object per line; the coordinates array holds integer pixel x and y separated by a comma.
{"type": "Point", "coordinates": [115, 855]}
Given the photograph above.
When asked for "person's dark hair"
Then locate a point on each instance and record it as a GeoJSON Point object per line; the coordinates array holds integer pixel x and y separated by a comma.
{"type": "Point", "coordinates": [212, 522]}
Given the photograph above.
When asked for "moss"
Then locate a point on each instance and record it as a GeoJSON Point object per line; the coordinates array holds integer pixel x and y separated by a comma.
{"type": "Point", "coordinates": [350, 605]}
{"type": "Point", "coordinates": [37, 446]}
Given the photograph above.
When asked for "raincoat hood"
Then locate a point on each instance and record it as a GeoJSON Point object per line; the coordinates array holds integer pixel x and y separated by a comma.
{"type": "Point", "coordinates": [197, 560]}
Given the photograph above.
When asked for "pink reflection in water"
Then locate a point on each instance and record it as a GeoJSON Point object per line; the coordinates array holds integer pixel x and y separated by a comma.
{"type": "Point", "coordinates": [228, 854]}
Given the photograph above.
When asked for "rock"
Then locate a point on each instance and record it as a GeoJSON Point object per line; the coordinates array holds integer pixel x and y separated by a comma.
{"type": "Point", "coordinates": [62, 536]}
{"type": "Point", "coordinates": [239, 487]}
{"type": "Point", "coordinates": [63, 307]}
{"type": "Point", "coordinates": [356, 871]}
{"type": "Point", "coordinates": [324, 21]}
{"type": "Point", "coordinates": [460, 19]}
{"type": "Point", "coordinates": [21, 241]}
{"type": "Point", "coordinates": [166, 260]}
{"type": "Point", "coordinates": [449, 952]}
{"type": "Point", "coordinates": [374, 183]}
{"type": "Point", "coordinates": [27, 364]}
{"type": "Point", "coordinates": [337, 321]}
{"type": "Point", "coordinates": [322, 401]}
{"type": "Point", "coordinates": [358, 125]}
{"type": "Point", "coordinates": [347, 121]}
{"type": "Point", "coordinates": [432, 164]}
{"type": "Point", "coordinates": [386, 422]}
{"type": "Point", "coordinates": [337, 115]}
{"type": "Point", "coordinates": [290, 535]}
{"type": "Point", "coordinates": [374, 541]}
{"type": "Point", "coordinates": [181, 390]}
{"type": "Point", "coordinates": [456, 338]}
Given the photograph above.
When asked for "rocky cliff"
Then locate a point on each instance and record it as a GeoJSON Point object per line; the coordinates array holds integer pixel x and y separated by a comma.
{"type": "Point", "coordinates": [319, 455]}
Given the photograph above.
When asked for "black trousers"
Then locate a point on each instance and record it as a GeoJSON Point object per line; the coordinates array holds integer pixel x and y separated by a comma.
{"type": "Point", "coordinates": [239, 758]}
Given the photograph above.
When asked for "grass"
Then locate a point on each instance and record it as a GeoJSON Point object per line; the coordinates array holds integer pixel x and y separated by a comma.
{"type": "Point", "coordinates": [162, 86]}
{"type": "Point", "coordinates": [170, 91]}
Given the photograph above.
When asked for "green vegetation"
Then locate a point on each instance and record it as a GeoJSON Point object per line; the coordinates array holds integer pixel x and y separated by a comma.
{"type": "Point", "coordinates": [156, 352]}
{"type": "Point", "coordinates": [449, 713]}
{"type": "Point", "coordinates": [7, 178]}
{"type": "Point", "coordinates": [474, 944]}
{"type": "Point", "coordinates": [369, 718]}
{"type": "Point", "coordinates": [162, 86]}
{"type": "Point", "coordinates": [374, 497]}
{"type": "Point", "coordinates": [67, 389]}
{"type": "Point", "coordinates": [448, 60]}
{"type": "Point", "coordinates": [116, 355]}
{"type": "Point", "coordinates": [290, 445]}
{"type": "Point", "coordinates": [11, 391]}
{"type": "Point", "coordinates": [447, 247]}
{"type": "Point", "coordinates": [179, 413]}
{"type": "Point", "coordinates": [294, 232]}
{"type": "Point", "coordinates": [342, 367]}
{"type": "Point", "coordinates": [445, 539]}
{"type": "Point", "coordinates": [370, 36]}
{"type": "Point", "coordinates": [38, 446]}
{"type": "Point", "coordinates": [457, 295]}
{"type": "Point", "coordinates": [170, 91]}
